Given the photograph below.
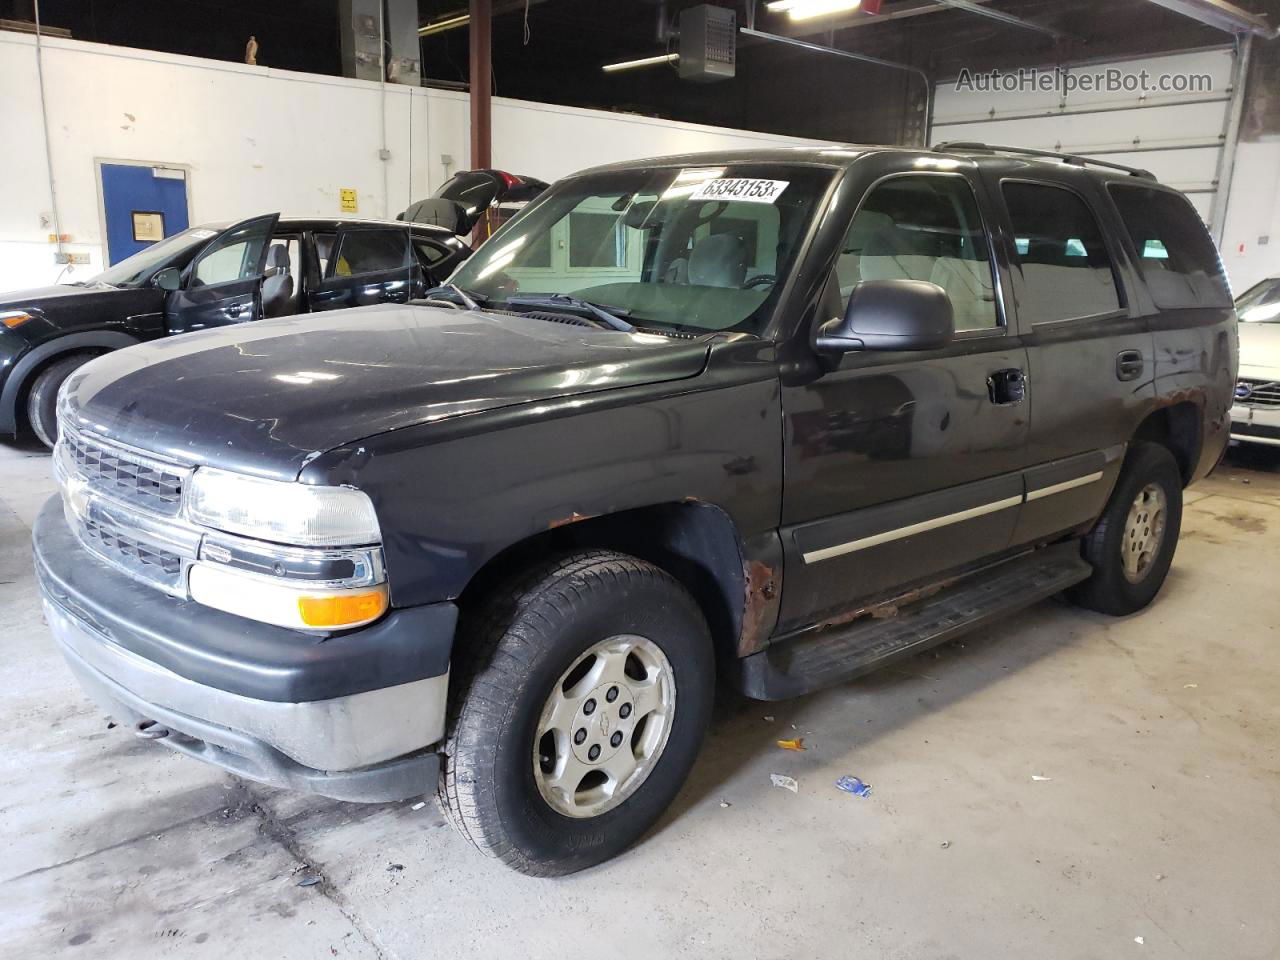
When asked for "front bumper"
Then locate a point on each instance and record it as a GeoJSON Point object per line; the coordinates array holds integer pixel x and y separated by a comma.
{"type": "Point", "coordinates": [373, 701]}
{"type": "Point", "coordinates": [1252, 424]}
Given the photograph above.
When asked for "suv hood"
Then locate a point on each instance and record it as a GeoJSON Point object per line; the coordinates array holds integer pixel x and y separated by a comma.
{"type": "Point", "coordinates": [1260, 350]}
{"type": "Point", "coordinates": [269, 397]}
{"type": "Point", "coordinates": [43, 296]}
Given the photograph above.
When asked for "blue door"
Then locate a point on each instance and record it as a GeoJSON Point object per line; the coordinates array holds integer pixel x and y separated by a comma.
{"type": "Point", "coordinates": [142, 205]}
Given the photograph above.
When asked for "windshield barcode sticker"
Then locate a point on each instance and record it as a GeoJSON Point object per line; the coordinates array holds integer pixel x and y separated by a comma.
{"type": "Point", "coordinates": [751, 191]}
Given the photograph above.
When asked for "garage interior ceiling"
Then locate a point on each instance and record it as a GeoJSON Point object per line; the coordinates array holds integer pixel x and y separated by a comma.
{"type": "Point", "coordinates": [568, 41]}
{"type": "Point", "coordinates": [552, 51]}
{"type": "Point", "coordinates": [1221, 14]}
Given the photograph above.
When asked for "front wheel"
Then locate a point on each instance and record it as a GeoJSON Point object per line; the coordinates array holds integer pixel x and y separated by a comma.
{"type": "Point", "coordinates": [42, 400]}
{"type": "Point", "coordinates": [1132, 545]}
{"type": "Point", "coordinates": [582, 698]}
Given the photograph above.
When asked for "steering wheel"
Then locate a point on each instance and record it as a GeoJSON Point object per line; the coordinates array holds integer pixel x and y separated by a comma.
{"type": "Point", "coordinates": [760, 280]}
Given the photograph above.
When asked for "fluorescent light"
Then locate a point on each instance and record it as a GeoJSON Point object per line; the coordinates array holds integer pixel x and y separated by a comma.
{"type": "Point", "coordinates": [808, 9]}
{"type": "Point", "coordinates": [644, 62]}
{"type": "Point", "coordinates": [448, 23]}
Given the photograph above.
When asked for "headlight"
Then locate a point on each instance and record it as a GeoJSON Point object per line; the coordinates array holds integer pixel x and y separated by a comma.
{"type": "Point", "coordinates": [292, 513]}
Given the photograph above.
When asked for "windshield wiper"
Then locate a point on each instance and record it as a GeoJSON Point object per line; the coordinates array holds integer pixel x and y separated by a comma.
{"type": "Point", "coordinates": [564, 301]}
{"type": "Point", "coordinates": [471, 301]}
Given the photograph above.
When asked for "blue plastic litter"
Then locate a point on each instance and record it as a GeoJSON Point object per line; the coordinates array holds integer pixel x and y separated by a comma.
{"type": "Point", "coordinates": [855, 786]}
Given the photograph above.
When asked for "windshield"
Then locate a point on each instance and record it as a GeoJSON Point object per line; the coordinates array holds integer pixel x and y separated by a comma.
{"type": "Point", "coordinates": [695, 248]}
{"type": "Point", "coordinates": [171, 251]}
{"type": "Point", "coordinates": [1260, 303]}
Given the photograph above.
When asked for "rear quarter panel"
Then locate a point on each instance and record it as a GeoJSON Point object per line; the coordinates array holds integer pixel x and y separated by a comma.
{"type": "Point", "coordinates": [1197, 361]}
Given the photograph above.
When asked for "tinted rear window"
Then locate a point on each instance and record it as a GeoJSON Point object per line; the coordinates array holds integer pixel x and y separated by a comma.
{"type": "Point", "coordinates": [1066, 270]}
{"type": "Point", "coordinates": [1177, 258]}
{"type": "Point", "coordinates": [370, 251]}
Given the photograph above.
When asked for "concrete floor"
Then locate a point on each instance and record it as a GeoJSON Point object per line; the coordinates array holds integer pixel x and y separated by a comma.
{"type": "Point", "coordinates": [1064, 785]}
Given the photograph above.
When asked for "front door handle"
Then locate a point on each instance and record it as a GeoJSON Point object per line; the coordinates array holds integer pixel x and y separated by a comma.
{"type": "Point", "coordinates": [234, 309]}
{"type": "Point", "coordinates": [1129, 364]}
{"type": "Point", "coordinates": [1007, 386]}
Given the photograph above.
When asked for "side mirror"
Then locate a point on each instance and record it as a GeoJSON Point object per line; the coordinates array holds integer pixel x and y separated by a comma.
{"type": "Point", "coordinates": [890, 315]}
{"type": "Point", "coordinates": [168, 279]}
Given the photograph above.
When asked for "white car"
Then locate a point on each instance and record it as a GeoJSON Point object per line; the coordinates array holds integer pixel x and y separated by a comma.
{"type": "Point", "coordinates": [1255, 416]}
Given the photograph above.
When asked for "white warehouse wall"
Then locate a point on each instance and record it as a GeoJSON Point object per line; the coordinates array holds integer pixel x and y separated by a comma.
{"type": "Point", "coordinates": [257, 140]}
{"type": "Point", "coordinates": [1251, 240]}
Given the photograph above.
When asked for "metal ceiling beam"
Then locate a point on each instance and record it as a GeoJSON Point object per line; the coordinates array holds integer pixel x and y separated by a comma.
{"type": "Point", "coordinates": [461, 17]}
{"type": "Point", "coordinates": [1222, 15]}
{"type": "Point", "coordinates": [1007, 18]}
{"type": "Point", "coordinates": [819, 48]}
{"type": "Point", "coordinates": [850, 55]}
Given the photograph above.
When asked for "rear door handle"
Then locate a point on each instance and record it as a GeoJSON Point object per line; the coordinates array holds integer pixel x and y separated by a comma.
{"type": "Point", "coordinates": [1129, 364]}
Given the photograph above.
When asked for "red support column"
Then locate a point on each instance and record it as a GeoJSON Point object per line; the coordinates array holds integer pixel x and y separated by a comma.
{"type": "Point", "coordinates": [480, 28]}
{"type": "Point", "coordinates": [481, 72]}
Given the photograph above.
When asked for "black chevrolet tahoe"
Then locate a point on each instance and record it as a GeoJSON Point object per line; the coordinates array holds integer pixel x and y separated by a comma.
{"type": "Point", "coordinates": [760, 420]}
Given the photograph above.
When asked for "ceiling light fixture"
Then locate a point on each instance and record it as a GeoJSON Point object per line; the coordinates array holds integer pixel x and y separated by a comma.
{"type": "Point", "coordinates": [808, 9]}
{"type": "Point", "coordinates": [642, 62]}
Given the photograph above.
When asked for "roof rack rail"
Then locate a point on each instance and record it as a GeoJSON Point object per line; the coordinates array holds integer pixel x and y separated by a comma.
{"type": "Point", "coordinates": [966, 146]}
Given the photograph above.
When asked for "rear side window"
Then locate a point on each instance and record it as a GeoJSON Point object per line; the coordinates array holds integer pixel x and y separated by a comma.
{"type": "Point", "coordinates": [428, 253]}
{"type": "Point", "coordinates": [370, 251]}
{"type": "Point", "coordinates": [1178, 260]}
{"type": "Point", "coordinates": [1066, 270]}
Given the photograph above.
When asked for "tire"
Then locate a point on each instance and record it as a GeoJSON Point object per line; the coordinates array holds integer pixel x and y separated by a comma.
{"type": "Point", "coordinates": [1149, 470]}
{"type": "Point", "coordinates": [42, 399]}
{"type": "Point", "coordinates": [515, 653]}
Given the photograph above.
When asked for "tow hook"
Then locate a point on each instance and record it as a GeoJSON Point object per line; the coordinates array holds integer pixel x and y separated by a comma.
{"type": "Point", "coordinates": [149, 730]}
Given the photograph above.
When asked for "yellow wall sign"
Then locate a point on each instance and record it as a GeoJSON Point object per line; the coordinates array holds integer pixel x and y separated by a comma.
{"type": "Point", "coordinates": [347, 199]}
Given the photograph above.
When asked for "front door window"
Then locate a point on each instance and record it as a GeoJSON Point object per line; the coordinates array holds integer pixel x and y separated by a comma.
{"type": "Point", "coordinates": [924, 228]}
{"type": "Point", "coordinates": [237, 255]}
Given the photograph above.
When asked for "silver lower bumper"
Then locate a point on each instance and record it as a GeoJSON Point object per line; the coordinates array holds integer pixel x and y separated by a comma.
{"type": "Point", "coordinates": [1246, 419]}
{"type": "Point", "coordinates": [300, 745]}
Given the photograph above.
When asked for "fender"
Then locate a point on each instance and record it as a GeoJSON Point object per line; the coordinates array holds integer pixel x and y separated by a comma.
{"type": "Point", "coordinates": [19, 377]}
{"type": "Point", "coordinates": [452, 495]}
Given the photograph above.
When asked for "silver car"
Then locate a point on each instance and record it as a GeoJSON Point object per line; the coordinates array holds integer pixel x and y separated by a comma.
{"type": "Point", "coordinates": [1255, 416]}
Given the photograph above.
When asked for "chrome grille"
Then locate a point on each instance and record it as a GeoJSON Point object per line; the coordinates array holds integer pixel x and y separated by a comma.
{"type": "Point", "coordinates": [1258, 393]}
{"type": "Point", "coordinates": [147, 562]}
{"type": "Point", "coordinates": [124, 507]}
{"type": "Point", "coordinates": [124, 475]}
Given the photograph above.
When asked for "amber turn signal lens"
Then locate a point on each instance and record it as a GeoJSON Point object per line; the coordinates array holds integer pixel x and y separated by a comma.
{"type": "Point", "coordinates": [14, 318]}
{"type": "Point", "coordinates": [340, 610]}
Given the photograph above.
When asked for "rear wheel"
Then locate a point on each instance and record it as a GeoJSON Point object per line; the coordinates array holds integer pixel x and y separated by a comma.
{"type": "Point", "coordinates": [42, 400]}
{"type": "Point", "coordinates": [1132, 546]}
{"type": "Point", "coordinates": [581, 700]}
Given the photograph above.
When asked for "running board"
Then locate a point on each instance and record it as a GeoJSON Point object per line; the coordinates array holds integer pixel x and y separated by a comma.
{"type": "Point", "coordinates": [791, 668]}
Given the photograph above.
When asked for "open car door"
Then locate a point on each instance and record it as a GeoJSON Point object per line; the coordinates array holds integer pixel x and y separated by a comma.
{"type": "Point", "coordinates": [223, 285]}
{"type": "Point", "coordinates": [365, 264]}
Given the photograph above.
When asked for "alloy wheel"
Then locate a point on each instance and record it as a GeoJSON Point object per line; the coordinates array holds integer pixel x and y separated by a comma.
{"type": "Point", "coordinates": [604, 726]}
